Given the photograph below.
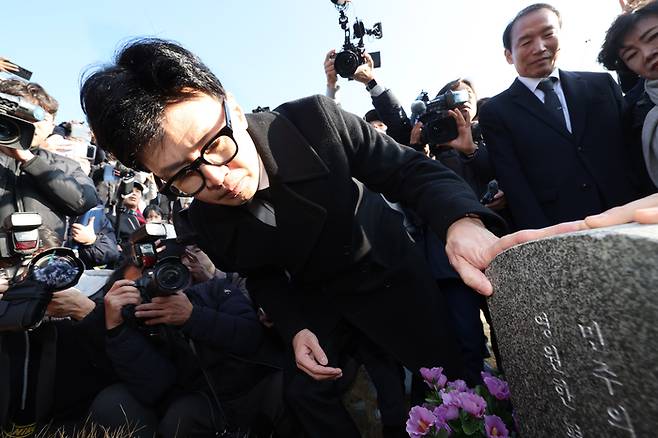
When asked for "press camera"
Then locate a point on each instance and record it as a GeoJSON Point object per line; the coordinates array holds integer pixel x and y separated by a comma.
{"type": "Point", "coordinates": [353, 55]}
{"type": "Point", "coordinates": [438, 126]}
{"type": "Point", "coordinates": [16, 121]}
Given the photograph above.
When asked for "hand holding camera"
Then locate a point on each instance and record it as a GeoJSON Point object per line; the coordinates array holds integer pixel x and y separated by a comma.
{"type": "Point", "coordinates": [122, 293]}
{"type": "Point", "coordinates": [364, 73]}
{"type": "Point", "coordinates": [464, 142]}
{"type": "Point", "coordinates": [70, 303]}
{"type": "Point", "coordinates": [173, 309]}
{"type": "Point", "coordinates": [329, 70]}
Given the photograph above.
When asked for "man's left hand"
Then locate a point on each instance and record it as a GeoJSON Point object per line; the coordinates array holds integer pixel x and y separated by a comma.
{"type": "Point", "coordinates": [174, 309]}
{"type": "Point", "coordinates": [471, 247]}
{"type": "Point", "coordinates": [84, 234]}
{"type": "Point", "coordinates": [464, 142]}
{"type": "Point", "coordinates": [70, 302]}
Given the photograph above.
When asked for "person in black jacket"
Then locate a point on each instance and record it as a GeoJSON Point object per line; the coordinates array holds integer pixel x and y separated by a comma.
{"type": "Point", "coordinates": [36, 180]}
{"type": "Point", "coordinates": [196, 364]}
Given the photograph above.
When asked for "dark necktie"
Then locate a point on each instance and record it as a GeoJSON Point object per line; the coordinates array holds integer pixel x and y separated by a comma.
{"type": "Point", "coordinates": [551, 101]}
{"type": "Point", "coordinates": [261, 207]}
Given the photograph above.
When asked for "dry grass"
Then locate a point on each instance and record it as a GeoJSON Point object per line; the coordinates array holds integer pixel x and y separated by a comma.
{"type": "Point", "coordinates": [90, 430]}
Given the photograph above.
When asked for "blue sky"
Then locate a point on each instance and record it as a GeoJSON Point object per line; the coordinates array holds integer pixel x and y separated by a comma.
{"type": "Point", "coordinates": [267, 52]}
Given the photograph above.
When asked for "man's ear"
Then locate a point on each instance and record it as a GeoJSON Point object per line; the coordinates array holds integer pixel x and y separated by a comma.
{"type": "Point", "coordinates": [508, 56]}
{"type": "Point", "coordinates": [237, 115]}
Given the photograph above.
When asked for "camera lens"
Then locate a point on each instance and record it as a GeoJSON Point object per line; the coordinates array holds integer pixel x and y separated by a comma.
{"type": "Point", "coordinates": [9, 131]}
{"type": "Point", "coordinates": [346, 63]}
{"type": "Point", "coordinates": [170, 276]}
{"type": "Point", "coordinates": [56, 271]}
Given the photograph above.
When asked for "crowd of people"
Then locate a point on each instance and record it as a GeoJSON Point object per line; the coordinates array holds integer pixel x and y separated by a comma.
{"type": "Point", "coordinates": [305, 241]}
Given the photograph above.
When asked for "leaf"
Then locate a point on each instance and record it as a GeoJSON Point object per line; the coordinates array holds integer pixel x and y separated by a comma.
{"type": "Point", "coordinates": [443, 434]}
{"type": "Point", "coordinates": [471, 425]}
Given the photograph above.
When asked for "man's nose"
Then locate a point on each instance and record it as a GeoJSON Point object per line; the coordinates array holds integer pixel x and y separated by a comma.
{"type": "Point", "coordinates": [214, 175]}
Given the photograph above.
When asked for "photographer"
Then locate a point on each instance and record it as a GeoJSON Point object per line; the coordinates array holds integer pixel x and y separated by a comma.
{"type": "Point", "coordinates": [50, 373]}
{"type": "Point", "coordinates": [190, 364]}
{"type": "Point", "coordinates": [37, 180]}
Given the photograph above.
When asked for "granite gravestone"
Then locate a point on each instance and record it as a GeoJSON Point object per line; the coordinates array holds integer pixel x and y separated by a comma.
{"type": "Point", "coordinates": [576, 319]}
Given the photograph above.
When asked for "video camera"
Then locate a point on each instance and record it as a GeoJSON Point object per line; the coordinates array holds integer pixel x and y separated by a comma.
{"type": "Point", "coordinates": [16, 121]}
{"type": "Point", "coordinates": [438, 126]}
{"type": "Point", "coordinates": [353, 55]}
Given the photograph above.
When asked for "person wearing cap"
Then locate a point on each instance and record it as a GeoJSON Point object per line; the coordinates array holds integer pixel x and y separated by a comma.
{"type": "Point", "coordinates": [130, 217]}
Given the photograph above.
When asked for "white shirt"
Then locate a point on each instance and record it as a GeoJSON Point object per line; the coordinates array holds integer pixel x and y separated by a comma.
{"type": "Point", "coordinates": [532, 83]}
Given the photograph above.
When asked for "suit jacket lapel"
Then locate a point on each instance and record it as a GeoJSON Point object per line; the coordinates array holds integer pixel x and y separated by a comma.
{"type": "Point", "coordinates": [527, 99]}
{"type": "Point", "coordinates": [576, 94]}
{"type": "Point", "coordinates": [292, 166]}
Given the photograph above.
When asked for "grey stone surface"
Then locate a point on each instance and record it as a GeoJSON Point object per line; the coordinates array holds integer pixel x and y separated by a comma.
{"type": "Point", "coordinates": [576, 317]}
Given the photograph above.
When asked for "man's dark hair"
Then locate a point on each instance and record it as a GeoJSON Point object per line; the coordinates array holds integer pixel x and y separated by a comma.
{"type": "Point", "coordinates": [614, 37]}
{"type": "Point", "coordinates": [371, 116]}
{"type": "Point", "coordinates": [507, 34]}
{"type": "Point", "coordinates": [125, 101]}
{"type": "Point", "coordinates": [32, 92]}
{"type": "Point", "coordinates": [453, 85]}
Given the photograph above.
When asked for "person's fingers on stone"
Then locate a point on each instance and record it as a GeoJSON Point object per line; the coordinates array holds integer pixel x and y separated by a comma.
{"type": "Point", "coordinates": [646, 215]}
{"type": "Point", "coordinates": [622, 214]}
{"type": "Point", "coordinates": [523, 236]}
{"type": "Point", "coordinates": [472, 276]}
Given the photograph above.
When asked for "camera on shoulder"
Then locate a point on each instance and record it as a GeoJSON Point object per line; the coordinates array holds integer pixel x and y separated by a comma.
{"type": "Point", "coordinates": [17, 118]}
{"type": "Point", "coordinates": [438, 126]}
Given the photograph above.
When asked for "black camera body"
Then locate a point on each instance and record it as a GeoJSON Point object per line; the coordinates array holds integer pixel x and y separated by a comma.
{"type": "Point", "coordinates": [438, 126]}
{"type": "Point", "coordinates": [17, 117]}
{"type": "Point", "coordinates": [353, 55]}
{"type": "Point", "coordinates": [163, 272]}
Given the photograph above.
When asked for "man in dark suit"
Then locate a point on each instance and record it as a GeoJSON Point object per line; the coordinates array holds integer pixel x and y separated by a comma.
{"type": "Point", "coordinates": [555, 137]}
{"type": "Point", "coordinates": [275, 200]}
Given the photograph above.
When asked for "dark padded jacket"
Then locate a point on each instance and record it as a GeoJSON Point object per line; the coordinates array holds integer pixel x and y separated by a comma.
{"type": "Point", "coordinates": [51, 185]}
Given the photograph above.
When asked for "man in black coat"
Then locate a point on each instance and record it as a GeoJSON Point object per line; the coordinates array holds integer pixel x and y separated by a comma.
{"type": "Point", "coordinates": [555, 138]}
{"type": "Point", "coordinates": [275, 200]}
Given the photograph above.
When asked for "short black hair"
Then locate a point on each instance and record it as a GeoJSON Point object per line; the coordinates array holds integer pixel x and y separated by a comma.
{"type": "Point", "coordinates": [371, 116]}
{"type": "Point", "coordinates": [452, 85]}
{"type": "Point", "coordinates": [152, 207]}
{"type": "Point", "coordinates": [125, 101]}
{"type": "Point", "coordinates": [507, 34]}
{"type": "Point", "coordinates": [614, 37]}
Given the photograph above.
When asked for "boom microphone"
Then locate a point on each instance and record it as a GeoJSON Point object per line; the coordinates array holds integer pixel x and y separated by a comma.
{"type": "Point", "coordinates": [418, 107]}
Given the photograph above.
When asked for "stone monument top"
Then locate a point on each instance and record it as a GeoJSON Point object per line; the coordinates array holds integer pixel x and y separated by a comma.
{"type": "Point", "coordinates": [576, 319]}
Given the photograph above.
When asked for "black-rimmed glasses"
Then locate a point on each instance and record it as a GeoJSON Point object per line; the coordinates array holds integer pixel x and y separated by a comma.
{"type": "Point", "coordinates": [220, 150]}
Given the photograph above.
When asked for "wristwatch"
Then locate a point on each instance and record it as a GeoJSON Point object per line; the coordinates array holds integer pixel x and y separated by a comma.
{"type": "Point", "coordinates": [371, 84]}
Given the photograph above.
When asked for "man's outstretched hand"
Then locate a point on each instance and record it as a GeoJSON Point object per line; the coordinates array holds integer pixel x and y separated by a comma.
{"type": "Point", "coordinates": [471, 247]}
{"type": "Point", "coordinates": [310, 357]}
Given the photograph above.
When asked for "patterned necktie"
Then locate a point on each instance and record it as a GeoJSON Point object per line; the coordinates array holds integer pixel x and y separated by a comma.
{"type": "Point", "coordinates": [551, 101]}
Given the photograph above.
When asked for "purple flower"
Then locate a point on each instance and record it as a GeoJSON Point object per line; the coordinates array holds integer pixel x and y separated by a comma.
{"type": "Point", "coordinates": [446, 413]}
{"type": "Point", "coordinates": [420, 421]}
{"type": "Point", "coordinates": [458, 385]}
{"type": "Point", "coordinates": [442, 424]}
{"type": "Point", "coordinates": [451, 398]}
{"type": "Point", "coordinates": [472, 403]}
{"type": "Point", "coordinates": [498, 388]}
{"type": "Point", "coordinates": [495, 427]}
{"type": "Point", "coordinates": [434, 377]}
